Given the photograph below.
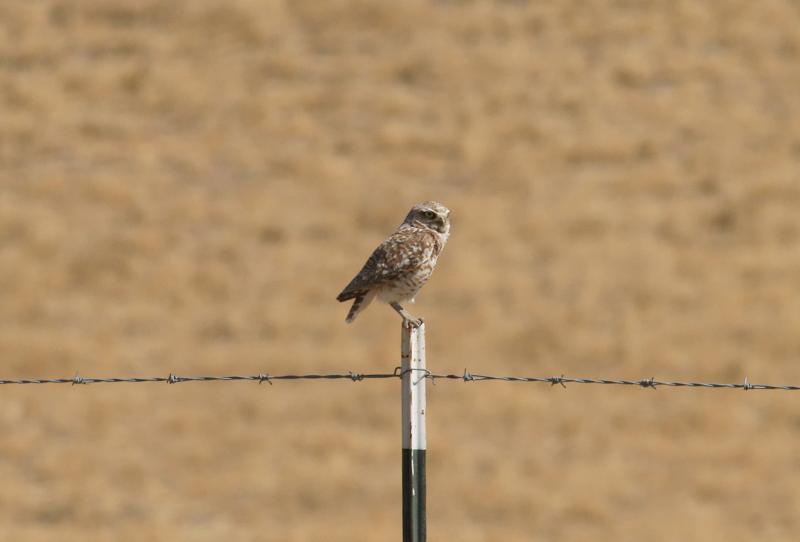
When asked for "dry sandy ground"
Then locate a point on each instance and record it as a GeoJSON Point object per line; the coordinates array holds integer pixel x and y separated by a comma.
{"type": "Point", "coordinates": [185, 186]}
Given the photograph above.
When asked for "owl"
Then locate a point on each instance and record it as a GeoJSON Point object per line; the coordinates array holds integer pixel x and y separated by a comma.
{"type": "Point", "coordinates": [402, 264]}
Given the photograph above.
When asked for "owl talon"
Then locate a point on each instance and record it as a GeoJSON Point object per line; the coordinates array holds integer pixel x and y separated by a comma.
{"type": "Point", "coordinates": [412, 322]}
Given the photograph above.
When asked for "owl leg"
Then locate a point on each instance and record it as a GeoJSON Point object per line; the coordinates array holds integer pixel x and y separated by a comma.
{"type": "Point", "coordinates": [408, 319]}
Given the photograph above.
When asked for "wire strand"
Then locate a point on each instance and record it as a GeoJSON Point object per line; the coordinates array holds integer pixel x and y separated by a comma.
{"type": "Point", "coordinates": [466, 376]}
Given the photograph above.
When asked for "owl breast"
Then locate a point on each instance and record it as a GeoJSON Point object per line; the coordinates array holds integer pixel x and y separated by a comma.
{"type": "Point", "coordinates": [421, 254]}
{"type": "Point", "coordinates": [406, 286]}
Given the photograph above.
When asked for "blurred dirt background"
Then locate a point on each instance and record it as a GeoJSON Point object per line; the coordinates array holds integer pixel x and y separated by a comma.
{"type": "Point", "coordinates": [185, 186]}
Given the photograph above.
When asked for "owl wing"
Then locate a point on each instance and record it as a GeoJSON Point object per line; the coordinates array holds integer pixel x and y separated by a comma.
{"type": "Point", "coordinates": [402, 252]}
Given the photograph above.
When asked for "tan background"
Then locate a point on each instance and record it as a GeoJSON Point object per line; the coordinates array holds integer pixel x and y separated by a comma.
{"type": "Point", "coordinates": [187, 185]}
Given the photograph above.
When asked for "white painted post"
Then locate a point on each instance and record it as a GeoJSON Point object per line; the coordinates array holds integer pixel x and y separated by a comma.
{"type": "Point", "coordinates": [413, 420]}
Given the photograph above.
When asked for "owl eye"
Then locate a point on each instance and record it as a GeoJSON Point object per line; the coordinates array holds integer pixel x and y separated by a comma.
{"type": "Point", "coordinates": [429, 215]}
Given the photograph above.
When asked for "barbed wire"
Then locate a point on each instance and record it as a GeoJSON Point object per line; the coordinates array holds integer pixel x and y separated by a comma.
{"type": "Point", "coordinates": [466, 376]}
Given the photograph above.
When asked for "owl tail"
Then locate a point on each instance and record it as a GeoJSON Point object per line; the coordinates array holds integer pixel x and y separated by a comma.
{"type": "Point", "coordinates": [360, 303]}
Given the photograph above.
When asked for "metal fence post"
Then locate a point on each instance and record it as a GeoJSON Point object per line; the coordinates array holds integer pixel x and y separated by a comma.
{"type": "Point", "coordinates": [413, 427]}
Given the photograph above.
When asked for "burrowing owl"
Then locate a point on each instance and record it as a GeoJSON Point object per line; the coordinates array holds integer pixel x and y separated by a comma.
{"type": "Point", "coordinates": [403, 263]}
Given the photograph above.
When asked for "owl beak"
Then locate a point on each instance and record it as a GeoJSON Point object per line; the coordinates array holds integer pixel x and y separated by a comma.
{"type": "Point", "coordinates": [442, 224]}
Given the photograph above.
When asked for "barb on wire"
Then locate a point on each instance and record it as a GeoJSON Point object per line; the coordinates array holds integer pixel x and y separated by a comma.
{"type": "Point", "coordinates": [466, 376]}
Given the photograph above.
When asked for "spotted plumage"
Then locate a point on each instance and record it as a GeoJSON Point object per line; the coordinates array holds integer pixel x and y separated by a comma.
{"type": "Point", "coordinates": [403, 263]}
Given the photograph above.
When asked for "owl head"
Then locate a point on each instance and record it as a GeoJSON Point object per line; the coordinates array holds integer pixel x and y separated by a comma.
{"type": "Point", "coordinates": [430, 214]}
